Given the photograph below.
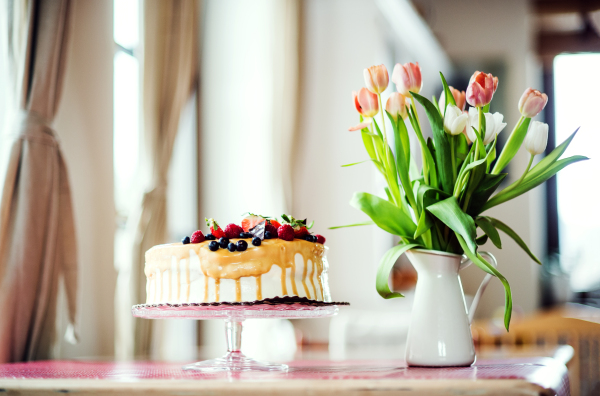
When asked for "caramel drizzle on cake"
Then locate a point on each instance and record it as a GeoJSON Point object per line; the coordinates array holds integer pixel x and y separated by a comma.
{"type": "Point", "coordinates": [223, 264]}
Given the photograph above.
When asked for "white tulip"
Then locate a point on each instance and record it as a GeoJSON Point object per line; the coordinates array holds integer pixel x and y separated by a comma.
{"type": "Point", "coordinates": [537, 137]}
{"type": "Point", "coordinates": [493, 125]}
{"type": "Point", "coordinates": [455, 121]}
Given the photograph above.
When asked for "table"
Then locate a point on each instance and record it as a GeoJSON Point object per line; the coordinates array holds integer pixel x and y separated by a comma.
{"type": "Point", "coordinates": [518, 376]}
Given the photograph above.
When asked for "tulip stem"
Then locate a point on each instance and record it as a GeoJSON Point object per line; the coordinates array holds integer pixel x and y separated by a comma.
{"type": "Point", "coordinates": [381, 109]}
{"type": "Point", "coordinates": [526, 171]}
{"type": "Point", "coordinates": [453, 159]}
{"type": "Point", "coordinates": [412, 98]}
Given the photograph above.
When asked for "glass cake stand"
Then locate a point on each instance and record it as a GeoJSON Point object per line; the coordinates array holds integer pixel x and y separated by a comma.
{"type": "Point", "coordinates": [234, 315]}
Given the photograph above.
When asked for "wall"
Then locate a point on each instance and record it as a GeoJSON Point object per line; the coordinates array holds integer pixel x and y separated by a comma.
{"type": "Point", "coordinates": [84, 126]}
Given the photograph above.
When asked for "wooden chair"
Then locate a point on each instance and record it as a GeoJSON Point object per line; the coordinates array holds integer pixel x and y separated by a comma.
{"type": "Point", "coordinates": [573, 324]}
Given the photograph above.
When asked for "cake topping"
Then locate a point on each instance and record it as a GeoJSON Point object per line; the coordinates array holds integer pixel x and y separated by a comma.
{"type": "Point", "coordinates": [242, 245]}
{"type": "Point", "coordinates": [231, 247]}
{"type": "Point", "coordinates": [213, 246]}
{"type": "Point", "coordinates": [285, 232]}
{"type": "Point", "coordinates": [320, 239]}
{"type": "Point", "coordinates": [197, 237]}
{"type": "Point", "coordinates": [210, 237]}
{"type": "Point", "coordinates": [233, 231]}
{"type": "Point", "coordinates": [256, 241]}
{"type": "Point", "coordinates": [223, 242]}
{"type": "Point", "coordinates": [185, 240]}
{"type": "Point", "coordinates": [271, 229]}
{"type": "Point", "coordinates": [259, 230]}
{"type": "Point", "coordinates": [214, 228]}
{"type": "Point", "coordinates": [251, 221]}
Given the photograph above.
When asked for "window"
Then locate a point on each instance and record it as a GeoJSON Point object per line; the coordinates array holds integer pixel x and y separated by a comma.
{"type": "Point", "coordinates": [576, 87]}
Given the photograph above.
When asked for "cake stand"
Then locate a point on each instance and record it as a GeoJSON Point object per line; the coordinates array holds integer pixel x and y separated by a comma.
{"type": "Point", "coordinates": [234, 315]}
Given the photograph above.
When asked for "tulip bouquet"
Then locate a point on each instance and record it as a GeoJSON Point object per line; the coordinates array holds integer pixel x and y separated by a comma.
{"type": "Point", "coordinates": [441, 206]}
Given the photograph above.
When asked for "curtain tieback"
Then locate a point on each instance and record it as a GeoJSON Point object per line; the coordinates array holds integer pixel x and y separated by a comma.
{"type": "Point", "coordinates": [34, 125]}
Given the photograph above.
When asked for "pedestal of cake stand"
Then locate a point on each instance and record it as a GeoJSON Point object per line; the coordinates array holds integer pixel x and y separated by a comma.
{"type": "Point", "coordinates": [234, 314]}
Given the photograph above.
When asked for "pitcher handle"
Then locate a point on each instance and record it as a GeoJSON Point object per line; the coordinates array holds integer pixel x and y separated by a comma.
{"type": "Point", "coordinates": [488, 277]}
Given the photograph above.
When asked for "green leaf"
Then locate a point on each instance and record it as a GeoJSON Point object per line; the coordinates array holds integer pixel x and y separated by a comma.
{"type": "Point", "coordinates": [386, 215]}
{"type": "Point", "coordinates": [551, 158]}
{"type": "Point", "coordinates": [487, 267]}
{"type": "Point", "coordinates": [483, 192]}
{"type": "Point", "coordinates": [360, 162]}
{"type": "Point", "coordinates": [482, 239]}
{"type": "Point", "coordinates": [448, 94]}
{"type": "Point", "coordinates": [442, 144]}
{"type": "Point", "coordinates": [369, 146]}
{"type": "Point", "coordinates": [512, 145]}
{"type": "Point", "coordinates": [429, 172]}
{"type": "Point", "coordinates": [486, 225]}
{"type": "Point", "coordinates": [425, 223]}
{"type": "Point", "coordinates": [458, 221]}
{"type": "Point", "coordinates": [508, 231]}
{"type": "Point", "coordinates": [402, 160]}
{"type": "Point", "coordinates": [352, 225]}
{"type": "Point", "coordinates": [385, 267]}
{"type": "Point", "coordinates": [514, 190]}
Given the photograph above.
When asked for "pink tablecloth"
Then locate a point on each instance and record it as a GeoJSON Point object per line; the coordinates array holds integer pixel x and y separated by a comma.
{"type": "Point", "coordinates": [544, 372]}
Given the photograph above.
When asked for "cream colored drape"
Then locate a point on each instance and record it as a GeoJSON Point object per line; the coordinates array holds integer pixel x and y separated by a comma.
{"type": "Point", "coordinates": [37, 235]}
{"type": "Point", "coordinates": [169, 75]}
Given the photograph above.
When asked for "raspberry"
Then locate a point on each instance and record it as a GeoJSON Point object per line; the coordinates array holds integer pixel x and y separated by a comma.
{"type": "Point", "coordinates": [320, 239]}
{"type": "Point", "coordinates": [197, 237]}
{"type": "Point", "coordinates": [286, 232]}
{"type": "Point", "coordinates": [233, 231]}
{"type": "Point", "coordinates": [270, 227]}
{"type": "Point", "coordinates": [300, 232]}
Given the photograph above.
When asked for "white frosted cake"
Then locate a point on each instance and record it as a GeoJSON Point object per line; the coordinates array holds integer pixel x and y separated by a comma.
{"type": "Point", "coordinates": [251, 270]}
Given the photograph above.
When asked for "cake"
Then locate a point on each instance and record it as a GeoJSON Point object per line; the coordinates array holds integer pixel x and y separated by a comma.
{"type": "Point", "coordinates": [261, 259]}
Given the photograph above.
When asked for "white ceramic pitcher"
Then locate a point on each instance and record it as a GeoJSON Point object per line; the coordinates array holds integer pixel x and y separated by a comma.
{"type": "Point", "coordinates": [440, 329]}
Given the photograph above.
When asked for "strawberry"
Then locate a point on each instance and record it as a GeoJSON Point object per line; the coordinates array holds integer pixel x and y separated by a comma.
{"type": "Point", "coordinates": [275, 223]}
{"type": "Point", "coordinates": [300, 232]}
{"type": "Point", "coordinates": [197, 237]}
{"type": "Point", "coordinates": [251, 221]}
{"type": "Point", "coordinates": [214, 228]}
{"type": "Point", "coordinates": [285, 232]}
{"type": "Point", "coordinates": [320, 239]}
{"type": "Point", "coordinates": [233, 231]}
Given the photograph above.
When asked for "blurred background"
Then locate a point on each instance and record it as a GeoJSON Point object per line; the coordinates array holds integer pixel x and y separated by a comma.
{"type": "Point", "coordinates": [264, 129]}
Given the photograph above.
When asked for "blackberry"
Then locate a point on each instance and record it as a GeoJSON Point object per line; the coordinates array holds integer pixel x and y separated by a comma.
{"type": "Point", "coordinates": [223, 242]}
{"type": "Point", "coordinates": [242, 245]}
{"type": "Point", "coordinates": [213, 246]}
{"type": "Point", "coordinates": [231, 247]}
{"type": "Point", "coordinates": [256, 241]}
{"type": "Point", "coordinates": [209, 237]}
{"type": "Point", "coordinates": [185, 240]}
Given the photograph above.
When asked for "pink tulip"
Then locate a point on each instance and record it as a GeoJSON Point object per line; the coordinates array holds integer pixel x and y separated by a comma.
{"type": "Point", "coordinates": [532, 102]}
{"type": "Point", "coordinates": [376, 79]}
{"type": "Point", "coordinates": [396, 105]}
{"type": "Point", "coordinates": [366, 103]}
{"type": "Point", "coordinates": [459, 98]}
{"type": "Point", "coordinates": [362, 125]}
{"type": "Point", "coordinates": [407, 78]}
{"type": "Point", "coordinates": [481, 89]}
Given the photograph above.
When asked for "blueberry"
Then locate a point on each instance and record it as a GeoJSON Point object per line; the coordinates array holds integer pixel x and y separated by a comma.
{"type": "Point", "coordinates": [268, 235]}
{"type": "Point", "coordinates": [245, 235]}
{"type": "Point", "coordinates": [242, 245]}
{"type": "Point", "coordinates": [185, 240]}
{"type": "Point", "coordinates": [213, 246]}
{"type": "Point", "coordinates": [231, 247]}
{"type": "Point", "coordinates": [209, 237]}
{"type": "Point", "coordinates": [312, 238]}
{"type": "Point", "coordinates": [223, 242]}
{"type": "Point", "coordinates": [256, 241]}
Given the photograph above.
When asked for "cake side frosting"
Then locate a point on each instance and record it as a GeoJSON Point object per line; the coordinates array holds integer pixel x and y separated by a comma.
{"type": "Point", "coordinates": [185, 273]}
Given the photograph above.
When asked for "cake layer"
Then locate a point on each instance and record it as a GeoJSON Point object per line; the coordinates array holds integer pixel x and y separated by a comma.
{"type": "Point", "coordinates": [178, 273]}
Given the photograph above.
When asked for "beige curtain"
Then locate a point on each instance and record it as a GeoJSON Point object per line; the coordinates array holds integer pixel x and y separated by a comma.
{"type": "Point", "coordinates": [37, 236]}
{"type": "Point", "coordinates": [169, 76]}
